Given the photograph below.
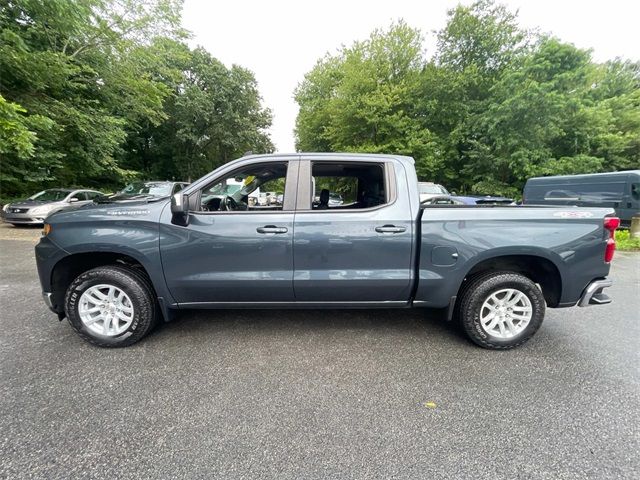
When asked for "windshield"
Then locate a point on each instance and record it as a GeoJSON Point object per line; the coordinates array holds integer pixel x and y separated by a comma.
{"type": "Point", "coordinates": [50, 195]}
{"type": "Point", "coordinates": [432, 188]}
{"type": "Point", "coordinates": [156, 189]}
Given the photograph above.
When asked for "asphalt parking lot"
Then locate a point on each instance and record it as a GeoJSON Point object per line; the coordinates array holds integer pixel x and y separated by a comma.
{"type": "Point", "coordinates": [317, 394]}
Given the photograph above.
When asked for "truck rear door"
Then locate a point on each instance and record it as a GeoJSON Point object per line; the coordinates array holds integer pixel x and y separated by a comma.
{"type": "Point", "coordinates": [353, 232]}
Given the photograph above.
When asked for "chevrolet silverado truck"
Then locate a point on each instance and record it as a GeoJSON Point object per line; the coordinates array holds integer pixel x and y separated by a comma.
{"type": "Point", "coordinates": [114, 270]}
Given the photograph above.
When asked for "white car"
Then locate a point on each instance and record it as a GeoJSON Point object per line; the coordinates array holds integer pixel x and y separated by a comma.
{"type": "Point", "coordinates": [428, 190]}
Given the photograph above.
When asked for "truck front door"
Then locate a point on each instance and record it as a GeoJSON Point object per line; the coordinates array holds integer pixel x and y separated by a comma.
{"type": "Point", "coordinates": [232, 251]}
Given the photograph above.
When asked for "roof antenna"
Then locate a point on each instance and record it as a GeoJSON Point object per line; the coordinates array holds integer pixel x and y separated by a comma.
{"type": "Point", "coordinates": [247, 153]}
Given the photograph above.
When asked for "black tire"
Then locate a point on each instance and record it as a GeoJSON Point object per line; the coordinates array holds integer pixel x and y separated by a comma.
{"type": "Point", "coordinates": [478, 289]}
{"type": "Point", "coordinates": [135, 284]}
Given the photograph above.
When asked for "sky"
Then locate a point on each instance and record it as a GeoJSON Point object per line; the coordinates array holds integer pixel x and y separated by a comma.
{"type": "Point", "coordinates": [281, 40]}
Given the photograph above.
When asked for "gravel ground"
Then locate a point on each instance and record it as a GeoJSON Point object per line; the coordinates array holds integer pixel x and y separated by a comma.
{"type": "Point", "coordinates": [317, 394]}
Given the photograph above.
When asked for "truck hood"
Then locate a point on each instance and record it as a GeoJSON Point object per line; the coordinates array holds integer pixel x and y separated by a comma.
{"type": "Point", "coordinates": [122, 197]}
{"type": "Point", "coordinates": [142, 210]}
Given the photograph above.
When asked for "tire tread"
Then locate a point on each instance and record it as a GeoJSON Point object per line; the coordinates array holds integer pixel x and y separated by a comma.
{"type": "Point", "coordinates": [147, 311]}
{"type": "Point", "coordinates": [474, 291]}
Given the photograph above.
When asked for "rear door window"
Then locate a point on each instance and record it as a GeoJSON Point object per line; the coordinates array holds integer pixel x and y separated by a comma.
{"type": "Point", "coordinates": [347, 186]}
{"type": "Point", "coordinates": [79, 196]}
{"type": "Point", "coordinates": [94, 195]}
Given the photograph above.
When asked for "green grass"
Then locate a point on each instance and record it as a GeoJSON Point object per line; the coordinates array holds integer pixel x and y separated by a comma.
{"type": "Point", "coordinates": [625, 243]}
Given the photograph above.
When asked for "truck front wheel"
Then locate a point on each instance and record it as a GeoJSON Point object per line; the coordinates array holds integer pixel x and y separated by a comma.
{"type": "Point", "coordinates": [501, 310]}
{"type": "Point", "coordinates": [111, 306]}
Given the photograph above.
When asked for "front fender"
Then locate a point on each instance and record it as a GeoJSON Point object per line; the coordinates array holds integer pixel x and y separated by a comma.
{"type": "Point", "coordinates": [132, 231]}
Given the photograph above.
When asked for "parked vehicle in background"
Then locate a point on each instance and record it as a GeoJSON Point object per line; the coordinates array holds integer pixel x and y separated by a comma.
{"type": "Point", "coordinates": [482, 200]}
{"type": "Point", "coordinates": [441, 200]}
{"type": "Point", "coordinates": [114, 270]}
{"type": "Point", "coordinates": [268, 198]}
{"type": "Point", "coordinates": [35, 209]}
{"type": "Point", "coordinates": [335, 200]}
{"type": "Point", "coordinates": [332, 199]}
{"type": "Point", "coordinates": [617, 190]}
{"type": "Point", "coordinates": [430, 189]}
{"type": "Point", "coordinates": [149, 189]}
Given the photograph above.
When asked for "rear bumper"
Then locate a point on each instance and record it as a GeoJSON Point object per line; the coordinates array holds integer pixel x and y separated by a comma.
{"type": "Point", "coordinates": [593, 294]}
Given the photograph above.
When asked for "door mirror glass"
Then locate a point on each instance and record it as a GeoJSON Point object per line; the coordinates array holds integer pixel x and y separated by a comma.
{"type": "Point", "coordinates": [180, 208]}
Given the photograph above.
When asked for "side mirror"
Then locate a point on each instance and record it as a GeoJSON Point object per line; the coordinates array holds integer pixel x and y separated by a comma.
{"type": "Point", "coordinates": [180, 209]}
{"type": "Point", "coordinates": [73, 200]}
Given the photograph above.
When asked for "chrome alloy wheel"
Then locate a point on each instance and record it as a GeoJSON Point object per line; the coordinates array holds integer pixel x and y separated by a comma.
{"type": "Point", "coordinates": [506, 313]}
{"type": "Point", "coordinates": [106, 310]}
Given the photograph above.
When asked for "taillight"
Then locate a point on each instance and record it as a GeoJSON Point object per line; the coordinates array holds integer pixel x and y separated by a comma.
{"type": "Point", "coordinates": [610, 223]}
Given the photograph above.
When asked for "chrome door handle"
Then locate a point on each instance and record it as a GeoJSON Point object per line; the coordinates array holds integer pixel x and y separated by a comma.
{"type": "Point", "coordinates": [272, 229]}
{"type": "Point", "coordinates": [390, 229]}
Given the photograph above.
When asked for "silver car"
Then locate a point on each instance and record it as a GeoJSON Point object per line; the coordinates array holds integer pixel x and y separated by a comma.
{"type": "Point", "coordinates": [36, 208]}
{"type": "Point", "coordinates": [429, 189]}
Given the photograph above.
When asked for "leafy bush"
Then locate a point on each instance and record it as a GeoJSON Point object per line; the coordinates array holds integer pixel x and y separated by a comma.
{"type": "Point", "coordinates": [625, 243]}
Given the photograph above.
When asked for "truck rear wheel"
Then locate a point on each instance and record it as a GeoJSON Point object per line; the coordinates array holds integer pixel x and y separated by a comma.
{"type": "Point", "coordinates": [111, 306]}
{"type": "Point", "coordinates": [501, 310]}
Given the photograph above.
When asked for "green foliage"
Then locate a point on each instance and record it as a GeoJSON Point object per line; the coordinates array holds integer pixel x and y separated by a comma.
{"type": "Point", "coordinates": [362, 99]}
{"type": "Point", "coordinates": [96, 92]}
{"type": "Point", "coordinates": [625, 243]}
{"type": "Point", "coordinates": [494, 106]}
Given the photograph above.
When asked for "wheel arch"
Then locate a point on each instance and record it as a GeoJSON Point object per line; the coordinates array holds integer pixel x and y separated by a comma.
{"type": "Point", "coordinates": [72, 265]}
{"type": "Point", "coordinates": [539, 269]}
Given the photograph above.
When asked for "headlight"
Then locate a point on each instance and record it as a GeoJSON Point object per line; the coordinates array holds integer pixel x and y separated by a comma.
{"type": "Point", "coordinates": [40, 210]}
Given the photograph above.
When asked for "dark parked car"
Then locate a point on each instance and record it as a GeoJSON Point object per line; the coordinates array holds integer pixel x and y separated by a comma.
{"type": "Point", "coordinates": [35, 209]}
{"type": "Point", "coordinates": [617, 190]}
{"type": "Point", "coordinates": [149, 189]}
{"type": "Point", "coordinates": [116, 269]}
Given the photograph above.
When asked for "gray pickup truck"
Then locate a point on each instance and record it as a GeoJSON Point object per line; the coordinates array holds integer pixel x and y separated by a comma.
{"type": "Point", "coordinates": [114, 270]}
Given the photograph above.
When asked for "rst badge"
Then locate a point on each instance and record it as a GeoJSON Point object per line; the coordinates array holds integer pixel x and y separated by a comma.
{"type": "Point", "coordinates": [573, 214]}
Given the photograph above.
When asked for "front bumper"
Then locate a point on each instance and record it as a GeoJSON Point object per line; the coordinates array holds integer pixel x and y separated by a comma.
{"type": "Point", "coordinates": [23, 219]}
{"type": "Point", "coordinates": [593, 294]}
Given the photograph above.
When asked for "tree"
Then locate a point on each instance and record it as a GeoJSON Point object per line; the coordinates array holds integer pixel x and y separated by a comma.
{"type": "Point", "coordinates": [94, 92]}
{"type": "Point", "coordinates": [362, 98]}
{"type": "Point", "coordinates": [214, 114]}
{"type": "Point", "coordinates": [494, 106]}
{"type": "Point", "coordinates": [70, 66]}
